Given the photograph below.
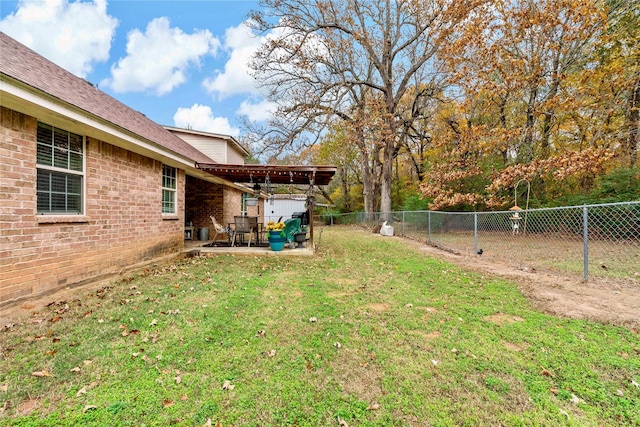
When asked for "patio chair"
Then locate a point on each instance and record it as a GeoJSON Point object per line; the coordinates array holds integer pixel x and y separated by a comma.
{"type": "Point", "coordinates": [219, 229]}
{"type": "Point", "coordinates": [291, 227]}
{"type": "Point", "coordinates": [244, 225]}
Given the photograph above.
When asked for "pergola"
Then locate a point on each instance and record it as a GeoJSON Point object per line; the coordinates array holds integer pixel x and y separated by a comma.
{"type": "Point", "coordinates": [274, 174]}
{"type": "Point", "coordinates": [277, 174]}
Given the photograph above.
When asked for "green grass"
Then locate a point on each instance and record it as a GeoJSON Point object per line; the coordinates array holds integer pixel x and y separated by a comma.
{"type": "Point", "coordinates": [429, 343]}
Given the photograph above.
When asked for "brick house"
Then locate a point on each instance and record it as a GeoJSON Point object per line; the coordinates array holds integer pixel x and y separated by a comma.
{"type": "Point", "coordinates": [88, 186]}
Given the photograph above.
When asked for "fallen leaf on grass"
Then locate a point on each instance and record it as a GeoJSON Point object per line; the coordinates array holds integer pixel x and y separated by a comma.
{"type": "Point", "coordinates": [342, 423]}
{"type": "Point", "coordinates": [313, 319]}
{"type": "Point", "coordinates": [154, 322]}
{"type": "Point", "coordinates": [89, 408]}
{"type": "Point", "coordinates": [184, 397]}
{"type": "Point", "coordinates": [575, 399]}
{"type": "Point", "coordinates": [227, 385]}
{"type": "Point", "coordinates": [635, 384]}
{"type": "Point", "coordinates": [271, 353]}
{"type": "Point", "coordinates": [166, 403]}
{"type": "Point", "coordinates": [56, 318]}
{"type": "Point", "coordinates": [546, 373]}
{"type": "Point", "coordinates": [337, 344]}
{"type": "Point", "coordinates": [76, 369]}
{"type": "Point", "coordinates": [554, 391]}
{"type": "Point", "coordinates": [4, 387]}
{"type": "Point", "coordinates": [82, 391]}
{"type": "Point", "coordinates": [178, 379]}
{"type": "Point", "coordinates": [435, 362]}
{"type": "Point", "coordinates": [373, 407]}
{"type": "Point", "coordinates": [261, 333]}
{"type": "Point", "coordinates": [41, 374]}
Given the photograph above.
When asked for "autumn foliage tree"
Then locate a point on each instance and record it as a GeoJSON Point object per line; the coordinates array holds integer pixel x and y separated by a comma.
{"type": "Point", "coordinates": [331, 59]}
{"type": "Point", "coordinates": [462, 99]}
{"type": "Point", "coordinates": [541, 97]}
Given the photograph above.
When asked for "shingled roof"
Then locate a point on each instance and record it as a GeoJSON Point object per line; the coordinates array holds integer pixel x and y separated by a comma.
{"type": "Point", "coordinates": [23, 64]}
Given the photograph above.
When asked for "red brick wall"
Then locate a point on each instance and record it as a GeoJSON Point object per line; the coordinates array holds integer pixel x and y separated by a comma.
{"type": "Point", "coordinates": [123, 224]}
{"type": "Point", "coordinates": [203, 199]}
{"type": "Point", "coordinates": [232, 204]}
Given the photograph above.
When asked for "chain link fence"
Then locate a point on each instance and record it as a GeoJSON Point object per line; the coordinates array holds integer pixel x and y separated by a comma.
{"type": "Point", "coordinates": [593, 241]}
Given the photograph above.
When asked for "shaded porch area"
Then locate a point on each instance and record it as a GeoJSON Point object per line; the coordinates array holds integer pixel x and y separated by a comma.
{"type": "Point", "coordinates": [257, 182]}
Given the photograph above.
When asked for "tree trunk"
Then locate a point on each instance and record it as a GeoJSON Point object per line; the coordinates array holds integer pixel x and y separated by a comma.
{"type": "Point", "coordinates": [547, 122]}
{"type": "Point", "coordinates": [633, 121]}
{"type": "Point", "coordinates": [386, 181]}
{"type": "Point", "coordinates": [526, 154]}
{"type": "Point", "coordinates": [345, 190]}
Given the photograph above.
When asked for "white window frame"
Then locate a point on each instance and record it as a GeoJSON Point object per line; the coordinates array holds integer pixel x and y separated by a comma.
{"type": "Point", "coordinates": [170, 190]}
{"type": "Point", "coordinates": [65, 171]}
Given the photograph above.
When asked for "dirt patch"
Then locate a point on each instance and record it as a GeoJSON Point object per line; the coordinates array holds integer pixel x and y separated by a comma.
{"type": "Point", "coordinates": [379, 307]}
{"type": "Point", "coordinates": [554, 293]}
{"type": "Point", "coordinates": [339, 294]}
{"type": "Point", "coordinates": [27, 406]}
{"type": "Point", "coordinates": [347, 281]}
{"type": "Point", "coordinates": [358, 377]}
{"type": "Point", "coordinates": [430, 336]}
{"type": "Point", "coordinates": [501, 319]}
{"type": "Point", "coordinates": [512, 346]}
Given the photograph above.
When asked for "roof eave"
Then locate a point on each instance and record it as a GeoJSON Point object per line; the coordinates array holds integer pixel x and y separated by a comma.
{"type": "Point", "coordinates": [23, 98]}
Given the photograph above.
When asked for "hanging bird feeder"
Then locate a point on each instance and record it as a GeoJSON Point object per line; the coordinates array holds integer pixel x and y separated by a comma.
{"type": "Point", "coordinates": [515, 219]}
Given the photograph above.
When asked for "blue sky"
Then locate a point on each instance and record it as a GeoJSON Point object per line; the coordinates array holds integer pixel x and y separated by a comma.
{"type": "Point", "coordinates": [181, 63]}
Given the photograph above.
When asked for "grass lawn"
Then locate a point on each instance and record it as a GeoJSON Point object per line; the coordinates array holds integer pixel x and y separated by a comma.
{"type": "Point", "coordinates": [367, 333]}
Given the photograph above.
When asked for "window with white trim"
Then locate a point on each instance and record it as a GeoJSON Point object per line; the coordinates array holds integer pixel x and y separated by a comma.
{"type": "Point", "coordinates": [60, 166]}
{"type": "Point", "coordinates": [169, 189]}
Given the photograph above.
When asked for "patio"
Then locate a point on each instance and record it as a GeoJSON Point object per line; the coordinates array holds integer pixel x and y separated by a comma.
{"type": "Point", "coordinates": [199, 247]}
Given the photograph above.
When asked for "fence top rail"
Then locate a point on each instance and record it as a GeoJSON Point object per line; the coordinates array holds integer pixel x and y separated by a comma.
{"type": "Point", "coordinates": [374, 214]}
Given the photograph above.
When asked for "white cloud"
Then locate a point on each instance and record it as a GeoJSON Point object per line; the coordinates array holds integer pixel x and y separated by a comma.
{"type": "Point", "coordinates": [73, 35]}
{"type": "Point", "coordinates": [200, 117]}
{"type": "Point", "coordinates": [257, 111]}
{"type": "Point", "coordinates": [235, 78]}
{"type": "Point", "coordinates": [158, 59]}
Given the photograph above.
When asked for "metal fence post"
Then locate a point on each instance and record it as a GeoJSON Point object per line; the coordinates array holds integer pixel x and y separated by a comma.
{"type": "Point", "coordinates": [331, 219]}
{"type": "Point", "coordinates": [402, 223]}
{"type": "Point", "coordinates": [429, 226]}
{"type": "Point", "coordinates": [585, 239]}
{"type": "Point", "coordinates": [475, 232]}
